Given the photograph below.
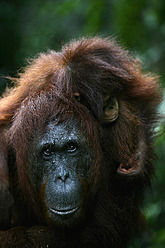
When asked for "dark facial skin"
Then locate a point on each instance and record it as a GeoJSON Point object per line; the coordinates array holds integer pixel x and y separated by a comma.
{"type": "Point", "coordinates": [60, 163]}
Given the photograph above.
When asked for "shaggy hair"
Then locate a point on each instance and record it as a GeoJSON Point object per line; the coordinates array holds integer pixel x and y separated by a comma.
{"type": "Point", "coordinates": [71, 84]}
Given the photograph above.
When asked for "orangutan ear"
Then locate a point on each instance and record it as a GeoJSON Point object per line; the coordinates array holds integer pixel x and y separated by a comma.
{"type": "Point", "coordinates": [128, 170]}
{"type": "Point", "coordinates": [110, 109]}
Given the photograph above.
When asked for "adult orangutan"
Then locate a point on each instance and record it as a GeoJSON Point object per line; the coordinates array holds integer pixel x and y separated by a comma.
{"type": "Point", "coordinates": [76, 148]}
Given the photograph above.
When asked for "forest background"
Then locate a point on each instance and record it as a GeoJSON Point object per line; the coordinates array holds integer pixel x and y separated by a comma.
{"type": "Point", "coordinates": [28, 27]}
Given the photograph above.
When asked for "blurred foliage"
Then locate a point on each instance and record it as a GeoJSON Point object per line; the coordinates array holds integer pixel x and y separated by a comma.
{"type": "Point", "coordinates": [28, 27]}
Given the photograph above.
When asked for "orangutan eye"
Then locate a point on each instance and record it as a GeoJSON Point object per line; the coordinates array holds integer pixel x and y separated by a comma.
{"type": "Point", "coordinates": [47, 151]}
{"type": "Point", "coordinates": [77, 96]}
{"type": "Point", "coordinates": [71, 147]}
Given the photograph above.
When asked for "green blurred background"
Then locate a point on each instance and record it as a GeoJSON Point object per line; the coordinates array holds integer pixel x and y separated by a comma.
{"type": "Point", "coordinates": [28, 27]}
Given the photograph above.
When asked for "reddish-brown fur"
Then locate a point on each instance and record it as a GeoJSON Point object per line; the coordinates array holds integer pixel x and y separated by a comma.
{"type": "Point", "coordinates": [92, 68]}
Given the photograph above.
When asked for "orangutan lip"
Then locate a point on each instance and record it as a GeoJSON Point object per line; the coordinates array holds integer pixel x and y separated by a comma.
{"type": "Point", "coordinates": [64, 211]}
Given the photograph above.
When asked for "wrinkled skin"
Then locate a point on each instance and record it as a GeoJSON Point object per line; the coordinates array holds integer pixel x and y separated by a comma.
{"type": "Point", "coordinates": [61, 160]}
